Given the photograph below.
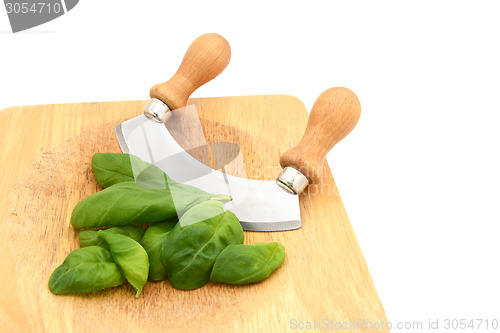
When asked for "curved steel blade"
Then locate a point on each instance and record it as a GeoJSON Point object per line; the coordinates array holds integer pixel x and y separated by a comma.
{"type": "Point", "coordinates": [259, 204]}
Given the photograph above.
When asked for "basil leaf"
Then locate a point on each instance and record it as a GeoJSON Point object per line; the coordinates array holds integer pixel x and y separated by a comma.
{"type": "Point", "coordinates": [130, 256]}
{"type": "Point", "coordinates": [189, 252]}
{"type": "Point", "coordinates": [242, 264]}
{"type": "Point", "coordinates": [92, 237]}
{"type": "Point", "coordinates": [112, 168]}
{"type": "Point", "coordinates": [153, 244]}
{"type": "Point", "coordinates": [201, 212]}
{"type": "Point", "coordinates": [126, 202]}
{"type": "Point", "coordinates": [88, 269]}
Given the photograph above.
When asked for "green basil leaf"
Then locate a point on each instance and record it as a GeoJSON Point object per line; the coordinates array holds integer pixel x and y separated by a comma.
{"type": "Point", "coordinates": [84, 270]}
{"type": "Point", "coordinates": [153, 244]}
{"type": "Point", "coordinates": [130, 256]}
{"type": "Point", "coordinates": [112, 168]}
{"type": "Point", "coordinates": [242, 264]}
{"type": "Point", "coordinates": [92, 237]}
{"type": "Point", "coordinates": [127, 202]}
{"type": "Point", "coordinates": [189, 252]}
{"type": "Point", "coordinates": [201, 212]}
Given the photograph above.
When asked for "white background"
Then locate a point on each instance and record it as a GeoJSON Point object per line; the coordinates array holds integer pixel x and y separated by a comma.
{"type": "Point", "coordinates": [419, 175]}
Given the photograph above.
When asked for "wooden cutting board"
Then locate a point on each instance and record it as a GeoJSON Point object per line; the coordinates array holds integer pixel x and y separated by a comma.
{"type": "Point", "coordinates": [45, 154]}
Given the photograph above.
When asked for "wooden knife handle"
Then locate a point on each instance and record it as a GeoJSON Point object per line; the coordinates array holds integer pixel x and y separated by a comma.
{"type": "Point", "coordinates": [334, 114]}
{"type": "Point", "coordinates": [205, 58]}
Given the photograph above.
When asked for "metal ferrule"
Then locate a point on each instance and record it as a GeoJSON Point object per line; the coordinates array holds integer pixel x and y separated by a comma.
{"type": "Point", "coordinates": [156, 110]}
{"type": "Point", "coordinates": [292, 181]}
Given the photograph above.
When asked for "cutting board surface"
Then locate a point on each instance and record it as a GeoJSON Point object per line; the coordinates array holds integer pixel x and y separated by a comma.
{"type": "Point", "coordinates": [45, 153]}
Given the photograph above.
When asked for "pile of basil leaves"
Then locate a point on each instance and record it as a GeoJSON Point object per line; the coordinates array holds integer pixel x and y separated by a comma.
{"type": "Point", "coordinates": [205, 244]}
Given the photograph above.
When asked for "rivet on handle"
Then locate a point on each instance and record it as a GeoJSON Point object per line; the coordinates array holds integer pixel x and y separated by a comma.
{"type": "Point", "coordinates": [334, 115]}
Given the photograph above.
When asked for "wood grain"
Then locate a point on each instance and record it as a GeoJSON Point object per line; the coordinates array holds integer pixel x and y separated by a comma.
{"type": "Point", "coordinates": [45, 153]}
